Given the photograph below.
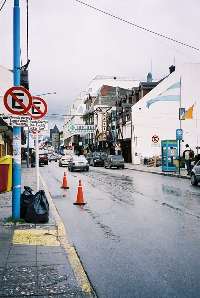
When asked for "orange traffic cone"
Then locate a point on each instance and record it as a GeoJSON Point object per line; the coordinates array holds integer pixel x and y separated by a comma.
{"type": "Point", "coordinates": [79, 198]}
{"type": "Point", "coordinates": [64, 184]}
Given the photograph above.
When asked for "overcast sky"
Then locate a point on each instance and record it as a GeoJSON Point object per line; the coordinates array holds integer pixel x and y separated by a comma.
{"type": "Point", "coordinates": [70, 44]}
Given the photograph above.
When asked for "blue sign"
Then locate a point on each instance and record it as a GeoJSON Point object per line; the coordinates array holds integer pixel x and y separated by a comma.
{"type": "Point", "coordinates": [179, 134]}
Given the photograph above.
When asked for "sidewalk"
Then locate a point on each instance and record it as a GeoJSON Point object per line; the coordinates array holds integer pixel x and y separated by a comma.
{"type": "Point", "coordinates": [156, 170]}
{"type": "Point", "coordinates": [33, 258]}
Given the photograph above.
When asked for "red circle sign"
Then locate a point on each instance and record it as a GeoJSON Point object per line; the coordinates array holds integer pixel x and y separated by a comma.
{"type": "Point", "coordinates": [14, 93]}
{"type": "Point", "coordinates": [36, 111]}
{"type": "Point", "coordinates": [155, 139]}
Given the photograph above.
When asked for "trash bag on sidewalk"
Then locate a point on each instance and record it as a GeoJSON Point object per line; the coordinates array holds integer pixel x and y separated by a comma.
{"type": "Point", "coordinates": [38, 210]}
{"type": "Point", "coordinates": [26, 199]}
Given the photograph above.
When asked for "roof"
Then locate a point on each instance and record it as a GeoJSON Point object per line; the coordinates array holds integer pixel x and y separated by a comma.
{"type": "Point", "coordinates": [122, 82]}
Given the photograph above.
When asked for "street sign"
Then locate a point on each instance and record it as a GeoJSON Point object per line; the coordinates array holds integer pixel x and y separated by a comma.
{"type": "Point", "coordinates": [38, 126]}
{"type": "Point", "coordinates": [22, 120]}
{"type": "Point", "coordinates": [17, 100]}
{"type": "Point", "coordinates": [179, 134]}
{"type": "Point", "coordinates": [38, 109]}
{"type": "Point", "coordinates": [181, 113]}
{"type": "Point", "coordinates": [155, 139]}
{"type": "Point", "coordinates": [19, 121]}
{"type": "Point", "coordinates": [80, 128]}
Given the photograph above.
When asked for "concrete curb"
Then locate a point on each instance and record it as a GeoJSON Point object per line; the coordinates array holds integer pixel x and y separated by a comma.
{"type": "Point", "coordinates": [159, 173]}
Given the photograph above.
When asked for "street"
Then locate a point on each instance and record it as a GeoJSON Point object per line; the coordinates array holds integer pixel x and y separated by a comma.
{"type": "Point", "coordinates": [138, 234]}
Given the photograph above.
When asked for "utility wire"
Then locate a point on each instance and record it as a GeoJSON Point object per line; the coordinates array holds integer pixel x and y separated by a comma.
{"type": "Point", "coordinates": [138, 26]}
{"type": "Point", "coordinates": [3, 5]}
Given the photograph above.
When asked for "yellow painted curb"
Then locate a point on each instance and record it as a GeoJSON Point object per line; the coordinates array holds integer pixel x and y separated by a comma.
{"type": "Point", "coordinates": [73, 258]}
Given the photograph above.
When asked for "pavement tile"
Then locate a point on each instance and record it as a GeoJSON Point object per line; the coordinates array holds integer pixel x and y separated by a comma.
{"type": "Point", "coordinates": [56, 279]}
{"type": "Point", "coordinates": [16, 274]}
{"type": "Point", "coordinates": [46, 249]}
{"type": "Point", "coordinates": [19, 290]}
{"type": "Point", "coordinates": [18, 281]}
{"type": "Point", "coordinates": [22, 260]}
{"type": "Point", "coordinates": [23, 249]}
{"type": "Point", "coordinates": [51, 259]}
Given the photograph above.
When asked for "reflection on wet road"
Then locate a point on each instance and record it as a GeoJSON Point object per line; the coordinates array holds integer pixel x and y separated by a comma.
{"type": "Point", "coordinates": [137, 236]}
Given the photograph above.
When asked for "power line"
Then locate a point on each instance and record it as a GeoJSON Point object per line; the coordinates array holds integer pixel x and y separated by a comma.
{"type": "Point", "coordinates": [138, 26]}
{"type": "Point", "coordinates": [3, 5]}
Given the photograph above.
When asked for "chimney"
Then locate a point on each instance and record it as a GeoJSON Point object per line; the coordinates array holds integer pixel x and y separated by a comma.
{"type": "Point", "coordinates": [172, 68]}
{"type": "Point", "coordinates": [149, 77]}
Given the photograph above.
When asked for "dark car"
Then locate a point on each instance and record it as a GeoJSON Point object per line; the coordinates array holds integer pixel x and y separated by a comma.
{"type": "Point", "coordinates": [112, 161]}
{"type": "Point", "coordinates": [43, 159]}
{"type": "Point", "coordinates": [97, 159]}
{"type": "Point", "coordinates": [195, 174]}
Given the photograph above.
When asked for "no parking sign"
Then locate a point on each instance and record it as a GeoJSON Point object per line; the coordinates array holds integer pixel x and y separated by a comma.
{"type": "Point", "coordinates": [17, 100]}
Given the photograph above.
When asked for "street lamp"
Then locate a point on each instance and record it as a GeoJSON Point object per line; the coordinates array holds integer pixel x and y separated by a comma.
{"type": "Point", "coordinates": [48, 93]}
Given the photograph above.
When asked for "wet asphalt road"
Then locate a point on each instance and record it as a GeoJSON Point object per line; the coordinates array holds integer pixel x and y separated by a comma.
{"type": "Point", "coordinates": [137, 236]}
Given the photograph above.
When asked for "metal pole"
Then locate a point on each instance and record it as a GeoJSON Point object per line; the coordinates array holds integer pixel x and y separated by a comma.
{"type": "Point", "coordinates": [28, 156]}
{"type": "Point", "coordinates": [37, 162]}
{"type": "Point", "coordinates": [179, 142]}
{"type": "Point", "coordinates": [16, 192]}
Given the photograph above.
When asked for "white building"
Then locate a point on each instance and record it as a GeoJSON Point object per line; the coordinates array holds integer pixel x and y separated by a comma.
{"type": "Point", "coordinates": [75, 116]}
{"type": "Point", "coordinates": [156, 115]}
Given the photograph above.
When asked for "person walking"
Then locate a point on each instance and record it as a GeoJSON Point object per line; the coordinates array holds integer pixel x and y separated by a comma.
{"type": "Point", "coordinates": [188, 155]}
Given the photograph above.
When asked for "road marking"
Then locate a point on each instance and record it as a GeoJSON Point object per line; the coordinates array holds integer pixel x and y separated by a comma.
{"type": "Point", "coordinates": [74, 260]}
{"type": "Point", "coordinates": [35, 237]}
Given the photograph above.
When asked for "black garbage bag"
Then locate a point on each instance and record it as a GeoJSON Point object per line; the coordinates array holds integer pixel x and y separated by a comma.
{"type": "Point", "coordinates": [38, 210]}
{"type": "Point", "coordinates": [26, 199]}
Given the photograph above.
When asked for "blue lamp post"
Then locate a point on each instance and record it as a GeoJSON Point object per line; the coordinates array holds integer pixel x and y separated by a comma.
{"type": "Point", "coordinates": [16, 192]}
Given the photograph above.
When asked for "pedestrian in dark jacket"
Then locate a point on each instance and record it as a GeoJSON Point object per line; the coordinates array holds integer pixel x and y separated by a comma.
{"type": "Point", "coordinates": [188, 155]}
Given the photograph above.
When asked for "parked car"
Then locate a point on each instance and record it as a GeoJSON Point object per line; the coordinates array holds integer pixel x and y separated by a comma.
{"type": "Point", "coordinates": [195, 174]}
{"type": "Point", "coordinates": [116, 161]}
{"type": "Point", "coordinates": [64, 160]}
{"type": "Point", "coordinates": [78, 163]}
{"type": "Point", "coordinates": [97, 159]}
{"type": "Point", "coordinates": [43, 159]}
{"type": "Point", "coordinates": [53, 157]}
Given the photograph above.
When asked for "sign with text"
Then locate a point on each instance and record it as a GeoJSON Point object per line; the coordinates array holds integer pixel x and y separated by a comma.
{"type": "Point", "coordinates": [80, 128]}
{"type": "Point", "coordinates": [17, 120]}
{"type": "Point", "coordinates": [39, 126]}
{"type": "Point", "coordinates": [179, 134]}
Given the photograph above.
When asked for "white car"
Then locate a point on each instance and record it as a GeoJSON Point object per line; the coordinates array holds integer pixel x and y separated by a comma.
{"type": "Point", "coordinates": [78, 163]}
{"type": "Point", "coordinates": [64, 161]}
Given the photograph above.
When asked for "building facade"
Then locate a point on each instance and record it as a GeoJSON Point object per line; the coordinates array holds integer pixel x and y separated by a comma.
{"type": "Point", "coordinates": [156, 115]}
